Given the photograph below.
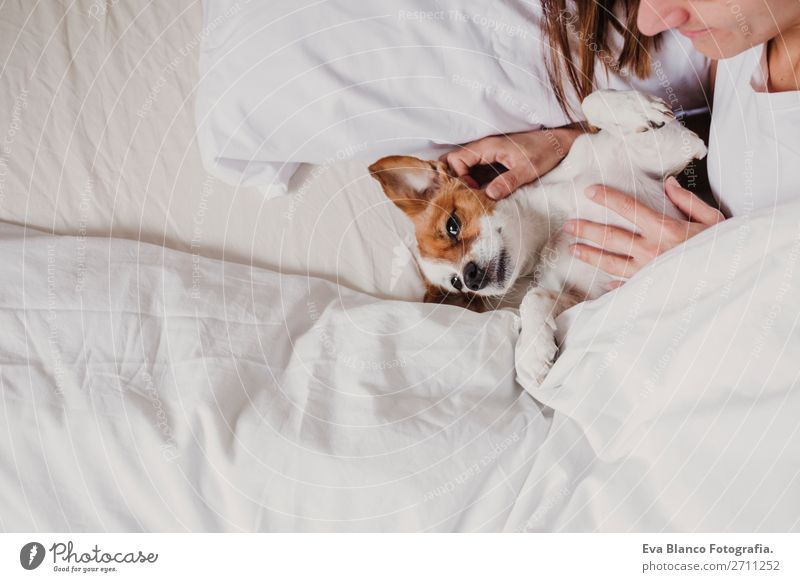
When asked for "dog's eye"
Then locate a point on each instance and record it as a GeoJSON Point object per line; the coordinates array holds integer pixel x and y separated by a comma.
{"type": "Point", "coordinates": [453, 226]}
{"type": "Point", "coordinates": [456, 282]}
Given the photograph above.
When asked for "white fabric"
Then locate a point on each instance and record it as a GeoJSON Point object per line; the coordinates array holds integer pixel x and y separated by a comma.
{"type": "Point", "coordinates": [310, 81]}
{"type": "Point", "coordinates": [675, 397]}
{"type": "Point", "coordinates": [143, 389]}
{"type": "Point", "coordinates": [77, 159]}
{"type": "Point", "coordinates": [99, 139]}
{"type": "Point", "coordinates": [754, 147]}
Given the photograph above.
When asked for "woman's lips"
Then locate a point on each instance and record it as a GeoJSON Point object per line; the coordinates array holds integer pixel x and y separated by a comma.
{"type": "Point", "coordinates": [695, 33]}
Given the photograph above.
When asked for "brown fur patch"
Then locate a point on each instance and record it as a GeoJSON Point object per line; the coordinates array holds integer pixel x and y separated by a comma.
{"type": "Point", "coordinates": [429, 195]}
{"type": "Point", "coordinates": [431, 224]}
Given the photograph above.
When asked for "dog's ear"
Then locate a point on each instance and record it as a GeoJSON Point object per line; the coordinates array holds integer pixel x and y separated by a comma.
{"type": "Point", "coordinates": [409, 182]}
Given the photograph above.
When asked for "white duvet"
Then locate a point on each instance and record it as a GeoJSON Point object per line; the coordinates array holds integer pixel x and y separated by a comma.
{"type": "Point", "coordinates": [676, 397]}
{"type": "Point", "coordinates": [144, 389]}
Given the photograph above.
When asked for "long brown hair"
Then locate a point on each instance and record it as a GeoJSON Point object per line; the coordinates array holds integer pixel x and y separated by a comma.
{"type": "Point", "coordinates": [578, 34]}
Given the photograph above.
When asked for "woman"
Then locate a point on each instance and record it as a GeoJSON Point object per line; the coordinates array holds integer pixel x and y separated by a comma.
{"type": "Point", "coordinates": [755, 128]}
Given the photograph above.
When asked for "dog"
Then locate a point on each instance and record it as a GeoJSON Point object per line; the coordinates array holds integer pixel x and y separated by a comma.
{"type": "Point", "coordinates": [480, 253]}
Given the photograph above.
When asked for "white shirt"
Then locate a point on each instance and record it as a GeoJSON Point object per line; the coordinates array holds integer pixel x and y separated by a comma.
{"type": "Point", "coordinates": [754, 147]}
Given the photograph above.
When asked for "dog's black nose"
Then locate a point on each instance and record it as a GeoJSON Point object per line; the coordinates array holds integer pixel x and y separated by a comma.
{"type": "Point", "coordinates": [474, 277]}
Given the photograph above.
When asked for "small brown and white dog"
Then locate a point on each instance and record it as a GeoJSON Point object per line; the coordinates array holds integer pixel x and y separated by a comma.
{"type": "Point", "coordinates": [474, 250]}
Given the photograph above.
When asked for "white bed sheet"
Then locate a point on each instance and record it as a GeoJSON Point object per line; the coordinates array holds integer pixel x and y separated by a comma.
{"type": "Point", "coordinates": [101, 140]}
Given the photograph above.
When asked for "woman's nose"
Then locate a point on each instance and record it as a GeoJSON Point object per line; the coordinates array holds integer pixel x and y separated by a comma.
{"type": "Point", "coordinates": [659, 15]}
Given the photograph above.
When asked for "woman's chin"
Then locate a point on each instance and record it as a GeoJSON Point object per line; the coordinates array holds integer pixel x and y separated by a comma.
{"type": "Point", "coordinates": [721, 44]}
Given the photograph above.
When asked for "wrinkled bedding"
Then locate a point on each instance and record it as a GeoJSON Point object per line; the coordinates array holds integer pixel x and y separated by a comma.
{"type": "Point", "coordinates": [146, 390]}
{"type": "Point", "coordinates": [182, 355]}
{"type": "Point", "coordinates": [100, 140]}
{"type": "Point", "coordinates": [676, 396]}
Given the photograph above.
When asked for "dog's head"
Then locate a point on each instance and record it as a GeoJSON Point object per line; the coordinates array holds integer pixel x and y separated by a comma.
{"type": "Point", "coordinates": [468, 243]}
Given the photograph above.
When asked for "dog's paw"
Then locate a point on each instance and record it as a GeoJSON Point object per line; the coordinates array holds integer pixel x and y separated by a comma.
{"type": "Point", "coordinates": [536, 348]}
{"type": "Point", "coordinates": [538, 307]}
{"type": "Point", "coordinates": [624, 112]}
{"type": "Point", "coordinates": [695, 147]}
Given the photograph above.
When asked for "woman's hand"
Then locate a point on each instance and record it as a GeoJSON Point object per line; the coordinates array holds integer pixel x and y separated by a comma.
{"type": "Point", "coordinates": [622, 253]}
{"type": "Point", "coordinates": [527, 156]}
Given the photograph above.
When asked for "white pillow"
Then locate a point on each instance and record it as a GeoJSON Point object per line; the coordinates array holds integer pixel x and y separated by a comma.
{"type": "Point", "coordinates": [321, 81]}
